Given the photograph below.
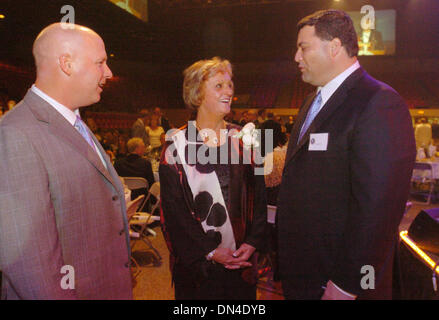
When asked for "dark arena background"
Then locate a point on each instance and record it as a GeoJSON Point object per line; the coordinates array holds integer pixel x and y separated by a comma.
{"type": "Point", "coordinates": [147, 55]}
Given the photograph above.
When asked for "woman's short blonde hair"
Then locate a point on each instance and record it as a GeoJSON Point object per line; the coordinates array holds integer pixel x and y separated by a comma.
{"type": "Point", "coordinates": [197, 74]}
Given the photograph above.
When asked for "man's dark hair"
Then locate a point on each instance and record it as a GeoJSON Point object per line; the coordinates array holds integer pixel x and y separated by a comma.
{"type": "Point", "coordinates": [330, 24]}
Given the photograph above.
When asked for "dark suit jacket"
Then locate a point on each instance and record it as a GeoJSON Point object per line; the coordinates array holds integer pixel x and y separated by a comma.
{"type": "Point", "coordinates": [59, 206]}
{"type": "Point", "coordinates": [339, 210]}
{"type": "Point", "coordinates": [135, 166]}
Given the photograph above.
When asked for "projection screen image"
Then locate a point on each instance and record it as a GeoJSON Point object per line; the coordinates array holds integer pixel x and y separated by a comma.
{"type": "Point", "coordinates": [375, 37]}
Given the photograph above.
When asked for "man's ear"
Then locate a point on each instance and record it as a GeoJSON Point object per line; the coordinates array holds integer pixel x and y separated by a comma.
{"type": "Point", "coordinates": [335, 47]}
{"type": "Point", "coordinates": [65, 63]}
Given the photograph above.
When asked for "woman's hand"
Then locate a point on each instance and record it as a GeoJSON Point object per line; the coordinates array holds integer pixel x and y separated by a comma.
{"type": "Point", "coordinates": [234, 260]}
{"type": "Point", "coordinates": [226, 257]}
{"type": "Point", "coordinates": [244, 252]}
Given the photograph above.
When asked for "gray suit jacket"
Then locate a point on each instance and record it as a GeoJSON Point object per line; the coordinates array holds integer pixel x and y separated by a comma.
{"type": "Point", "coordinates": [59, 206]}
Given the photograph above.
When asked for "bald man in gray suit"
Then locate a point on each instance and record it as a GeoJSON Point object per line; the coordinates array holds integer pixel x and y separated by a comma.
{"type": "Point", "coordinates": [63, 224]}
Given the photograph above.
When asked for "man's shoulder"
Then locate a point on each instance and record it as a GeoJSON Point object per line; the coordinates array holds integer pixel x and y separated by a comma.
{"type": "Point", "coordinates": [373, 89]}
{"type": "Point", "coordinates": [20, 116]}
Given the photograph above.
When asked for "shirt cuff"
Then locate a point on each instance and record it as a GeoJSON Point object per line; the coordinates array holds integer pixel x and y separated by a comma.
{"type": "Point", "coordinates": [344, 292]}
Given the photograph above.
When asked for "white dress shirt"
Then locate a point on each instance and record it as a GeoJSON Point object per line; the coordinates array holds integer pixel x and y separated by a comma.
{"type": "Point", "coordinates": [68, 114]}
{"type": "Point", "coordinates": [328, 89]}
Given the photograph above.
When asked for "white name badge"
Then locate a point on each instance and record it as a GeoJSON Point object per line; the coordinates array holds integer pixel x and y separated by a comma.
{"type": "Point", "coordinates": [318, 142]}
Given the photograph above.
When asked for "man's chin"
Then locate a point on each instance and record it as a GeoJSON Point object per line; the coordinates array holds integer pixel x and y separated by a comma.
{"type": "Point", "coordinates": [90, 102]}
{"type": "Point", "coordinates": [306, 78]}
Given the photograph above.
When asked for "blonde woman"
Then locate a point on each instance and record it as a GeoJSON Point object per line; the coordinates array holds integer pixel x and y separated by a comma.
{"type": "Point", "coordinates": [214, 213]}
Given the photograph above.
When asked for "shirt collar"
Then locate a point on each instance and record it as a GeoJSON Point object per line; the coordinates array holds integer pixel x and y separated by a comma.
{"type": "Point", "coordinates": [68, 114]}
{"type": "Point", "coordinates": [328, 89]}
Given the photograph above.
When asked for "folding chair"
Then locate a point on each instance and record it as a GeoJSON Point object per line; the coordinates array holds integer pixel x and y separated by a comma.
{"type": "Point", "coordinates": [144, 219]}
{"type": "Point", "coordinates": [132, 207]}
{"type": "Point", "coordinates": [135, 183]}
{"type": "Point", "coordinates": [423, 174]}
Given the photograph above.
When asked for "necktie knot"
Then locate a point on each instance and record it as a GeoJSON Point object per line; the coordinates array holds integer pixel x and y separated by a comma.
{"type": "Point", "coordinates": [312, 113]}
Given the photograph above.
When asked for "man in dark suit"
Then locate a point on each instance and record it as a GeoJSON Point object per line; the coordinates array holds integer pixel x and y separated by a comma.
{"type": "Point", "coordinates": [134, 165]}
{"type": "Point", "coordinates": [347, 172]}
{"type": "Point", "coordinates": [63, 224]}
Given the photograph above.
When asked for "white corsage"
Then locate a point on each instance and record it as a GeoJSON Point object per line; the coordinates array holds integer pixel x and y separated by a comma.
{"type": "Point", "coordinates": [249, 136]}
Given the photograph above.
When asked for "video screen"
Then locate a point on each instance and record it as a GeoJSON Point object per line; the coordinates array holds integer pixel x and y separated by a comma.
{"type": "Point", "coordinates": [138, 8]}
{"type": "Point", "coordinates": [375, 30]}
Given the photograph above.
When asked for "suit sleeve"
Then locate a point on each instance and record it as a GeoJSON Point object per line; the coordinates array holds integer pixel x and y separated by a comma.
{"type": "Point", "coordinates": [188, 240]}
{"type": "Point", "coordinates": [30, 251]}
{"type": "Point", "coordinates": [382, 153]}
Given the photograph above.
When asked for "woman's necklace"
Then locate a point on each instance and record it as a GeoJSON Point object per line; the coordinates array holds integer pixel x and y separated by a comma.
{"type": "Point", "coordinates": [207, 132]}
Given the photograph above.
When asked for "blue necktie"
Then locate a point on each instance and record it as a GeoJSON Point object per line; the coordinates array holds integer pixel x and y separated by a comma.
{"type": "Point", "coordinates": [81, 127]}
{"type": "Point", "coordinates": [312, 112]}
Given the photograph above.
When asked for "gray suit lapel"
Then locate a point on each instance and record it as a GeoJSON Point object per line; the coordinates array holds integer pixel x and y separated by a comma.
{"type": "Point", "coordinates": [61, 128]}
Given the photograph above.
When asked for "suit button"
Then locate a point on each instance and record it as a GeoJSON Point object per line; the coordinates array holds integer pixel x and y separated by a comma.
{"type": "Point", "coordinates": [121, 232]}
{"type": "Point", "coordinates": [127, 265]}
{"type": "Point", "coordinates": [114, 198]}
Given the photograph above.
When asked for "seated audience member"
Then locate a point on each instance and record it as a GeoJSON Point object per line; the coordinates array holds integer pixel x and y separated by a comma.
{"type": "Point", "coordinates": [134, 165]}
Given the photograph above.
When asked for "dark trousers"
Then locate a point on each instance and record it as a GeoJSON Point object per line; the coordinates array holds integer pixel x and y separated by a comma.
{"type": "Point", "coordinates": [217, 284]}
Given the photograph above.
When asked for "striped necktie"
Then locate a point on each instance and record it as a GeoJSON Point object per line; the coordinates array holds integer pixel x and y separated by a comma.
{"type": "Point", "coordinates": [312, 113]}
{"type": "Point", "coordinates": [82, 128]}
